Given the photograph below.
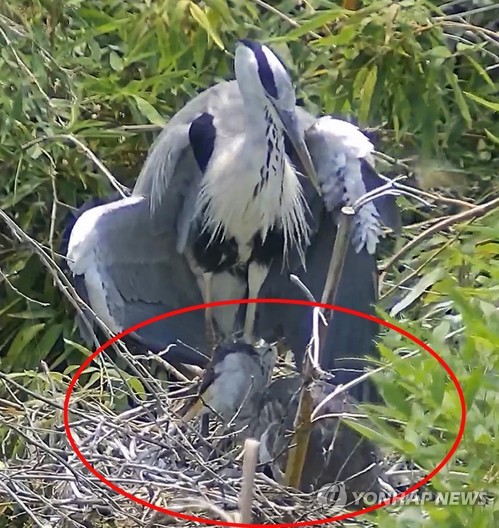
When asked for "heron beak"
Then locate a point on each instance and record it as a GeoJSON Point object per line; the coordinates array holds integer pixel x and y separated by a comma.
{"type": "Point", "coordinates": [295, 135]}
{"type": "Point", "coordinates": [194, 411]}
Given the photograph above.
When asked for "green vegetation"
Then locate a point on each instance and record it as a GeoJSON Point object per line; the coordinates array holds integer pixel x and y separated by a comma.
{"type": "Point", "coordinates": [84, 86]}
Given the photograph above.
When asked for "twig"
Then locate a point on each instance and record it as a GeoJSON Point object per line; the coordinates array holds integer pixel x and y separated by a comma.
{"type": "Point", "coordinates": [140, 128]}
{"type": "Point", "coordinates": [112, 180]}
{"type": "Point", "coordinates": [24, 67]}
{"type": "Point", "coordinates": [338, 256]}
{"type": "Point", "coordinates": [284, 17]}
{"type": "Point", "coordinates": [468, 12]}
{"type": "Point", "coordinates": [53, 212]}
{"type": "Point", "coordinates": [22, 504]}
{"type": "Point", "coordinates": [471, 214]}
{"type": "Point", "coordinates": [340, 389]}
{"type": "Point", "coordinates": [251, 447]}
{"type": "Point", "coordinates": [301, 437]}
{"type": "Point", "coordinates": [24, 296]}
{"type": "Point", "coordinates": [297, 282]}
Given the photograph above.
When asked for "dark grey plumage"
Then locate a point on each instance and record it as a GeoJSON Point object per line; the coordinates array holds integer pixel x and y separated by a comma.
{"type": "Point", "coordinates": [336, 452]}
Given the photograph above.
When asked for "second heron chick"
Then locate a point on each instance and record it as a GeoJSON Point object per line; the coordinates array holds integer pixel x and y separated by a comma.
{"type": "Point", "coordinates": [234, 382]}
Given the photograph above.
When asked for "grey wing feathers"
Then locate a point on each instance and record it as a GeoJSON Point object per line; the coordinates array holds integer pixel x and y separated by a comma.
{"type": "Point", "coordinates": [134, 274]}
{"type": "Point", "coordinates": [342, 155]}
{"type": "Point", "coordinates": [336, 452]}
{"type": "Point", "coordinates": [349, 338]}
{"type": "Point", "coordinates": [170, 177]}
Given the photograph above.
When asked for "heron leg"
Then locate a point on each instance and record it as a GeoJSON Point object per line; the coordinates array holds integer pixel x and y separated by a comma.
{"type": "Point", "coordinates": [211, 335]}
{"type": "Point", "coordinates": [257, 274]}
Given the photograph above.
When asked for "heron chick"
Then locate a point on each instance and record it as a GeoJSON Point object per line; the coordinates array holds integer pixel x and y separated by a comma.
{"type": "Point", "coordinates": [234, 382]}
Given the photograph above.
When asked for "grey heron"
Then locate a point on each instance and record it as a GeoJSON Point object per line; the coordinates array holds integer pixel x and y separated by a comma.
{"type": "Point", "coordinates": [237, 388]}
{"type": "Point", "coordinates": [244, 201]}
{"type": "Point", "coordinates": [234, 381]}
{"type": "Point", "coordinates": [218, 203]}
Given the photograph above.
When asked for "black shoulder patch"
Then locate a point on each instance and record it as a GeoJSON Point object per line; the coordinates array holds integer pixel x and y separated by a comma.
{"type": "Point", "coordinates": [264, 70]}
{"type": "Point", "coordinates": [202, 134]}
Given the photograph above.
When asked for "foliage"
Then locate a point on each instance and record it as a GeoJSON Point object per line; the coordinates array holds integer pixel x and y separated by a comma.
{"type": "Point", "coordinates": [107, 72]}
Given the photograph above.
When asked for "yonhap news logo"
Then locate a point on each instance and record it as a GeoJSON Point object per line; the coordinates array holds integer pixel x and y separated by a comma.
{"type": "Point", "coordinates": [332, 495]}
{"type": "Point", "coordinates": [335, 495]}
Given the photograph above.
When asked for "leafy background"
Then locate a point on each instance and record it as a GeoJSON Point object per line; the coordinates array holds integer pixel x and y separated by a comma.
{"type": "Point", "coordinates": [84, 86]}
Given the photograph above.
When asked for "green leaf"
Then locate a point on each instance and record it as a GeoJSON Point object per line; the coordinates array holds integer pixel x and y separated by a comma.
{"type": "Point", "coordinates": [424, 283]}
{"type": "Point", "coordinates": [394, 397]}
{"type": "Point", "coordinates": [489, 104]}
{"type": "Point", "coordinates": [137, 387]}
{"type": "Point", "coordinates": [202, 19]}
{"type": "Point", "coordinates": [481, 70]}
{"type": "Point", "coordinates": [49, 339]}
{"type": "Point", "coordinates": [366, 94]}
{"type": "Point", "coordinates": [23, 338]}
{"type": "Point", "coordinates": [83, 349]}
{"type": "Point", "coordinates": [481, 435]}
{"type": "Point", "coordinates": [491, 136]}
{"type": "Point", "coordinates": [345, 35]}
{"type": "Point", "coordinates": [115, 61]}
{"type": "Point", "coordinates": [317, 21]}
{"type": "Point", "coordinates": [441, 52]}
{"type": "Point", "coordinates": [148, 110]}
{"type": "Point", "coordinates": [38, 313]}
{"type": "Point", "coordinates": [460, 100]}
{"type": "Point", "coordinates": [359, 81]}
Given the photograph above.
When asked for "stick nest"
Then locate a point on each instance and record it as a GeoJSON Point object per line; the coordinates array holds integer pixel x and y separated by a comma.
{"type": "Point", "coordinates": [145, 450]}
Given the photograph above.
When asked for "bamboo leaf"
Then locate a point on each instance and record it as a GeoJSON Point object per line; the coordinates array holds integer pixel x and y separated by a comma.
{"type": "Point", "coordinates": [202, 19]}
{"type": "Point", "coordinates": [148, 110]}
{"type": "Point", "coordinates": [317, 21]}
{"type": "Point", "coordinates": [491, 136]}
{"type": "Point", "coordinates": [26, 334]}
{"type": "Point", "coordinates": [115, 61]}
{"type": "Point", "coordinates": [460, 100]}
{"type": "Point", "coordinates": [489, 104]}
{"type": "Point", "coordinates": [366, 94]}
{"type": "Point", "coordinates": [343, 37]}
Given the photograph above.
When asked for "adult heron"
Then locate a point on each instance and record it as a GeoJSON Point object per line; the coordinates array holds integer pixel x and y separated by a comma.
{"type": "Point", "coordinates": [218, 203]}
{"type": "Point", "coordinates": [242, 200]}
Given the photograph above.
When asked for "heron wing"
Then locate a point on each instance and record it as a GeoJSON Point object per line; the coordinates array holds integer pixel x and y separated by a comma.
{"type": "Point", "coordinates": [336, 452]}
{"type": "Point", "coordinates": [342, 155]}
{"type": "Point", "coordinates": [131, 274]}
{"type": "Point", "coordinates": [349, 339]}
{"type": "Point", "coordinates": [170, 177]}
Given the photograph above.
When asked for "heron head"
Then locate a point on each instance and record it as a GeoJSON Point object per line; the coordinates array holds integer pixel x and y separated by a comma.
{"type": "Point", "coordinates": [259, 72]}
{"type": "Point", "coordinates": [261, 75]}
{"type": "Point", "coordinates": [267, 353]}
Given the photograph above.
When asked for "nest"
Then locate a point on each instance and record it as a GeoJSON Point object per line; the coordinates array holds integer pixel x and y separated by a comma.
{"type": "Point", "coordinates": [145, 450]}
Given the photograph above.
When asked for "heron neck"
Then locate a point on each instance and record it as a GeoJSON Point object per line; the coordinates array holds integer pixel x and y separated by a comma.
{"type": "Point", "coordinates": [260, 114]}
{"type": "Point", "coordinates": [266, 129]}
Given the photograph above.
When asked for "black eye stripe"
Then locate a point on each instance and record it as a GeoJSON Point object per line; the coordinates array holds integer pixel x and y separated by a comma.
{"type": "Point", "coordinates": [264, 70]}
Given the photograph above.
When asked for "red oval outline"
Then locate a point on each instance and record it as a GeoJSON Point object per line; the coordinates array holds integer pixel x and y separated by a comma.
{"type": "Point", "coordinates": [194, 518]}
